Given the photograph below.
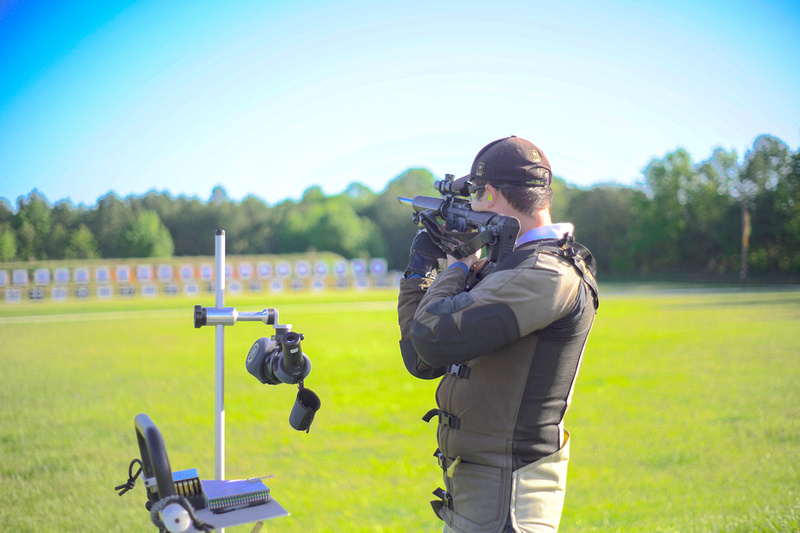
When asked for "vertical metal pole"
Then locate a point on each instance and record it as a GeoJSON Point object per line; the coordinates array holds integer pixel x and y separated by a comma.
{"type": "Point", "coordinates": [219, 379]}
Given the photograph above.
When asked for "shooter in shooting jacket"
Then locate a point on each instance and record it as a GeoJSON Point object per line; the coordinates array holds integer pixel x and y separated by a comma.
{"type": "Point", "coordinates": [507, 340]}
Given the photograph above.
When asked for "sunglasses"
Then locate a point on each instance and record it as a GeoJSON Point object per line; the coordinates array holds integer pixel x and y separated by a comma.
{"type": "Point", "coordinates": [473, 190]}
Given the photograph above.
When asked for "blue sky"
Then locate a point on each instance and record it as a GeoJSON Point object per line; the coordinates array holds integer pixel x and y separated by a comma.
{"type": "Point", "coordinates": [269, 98]}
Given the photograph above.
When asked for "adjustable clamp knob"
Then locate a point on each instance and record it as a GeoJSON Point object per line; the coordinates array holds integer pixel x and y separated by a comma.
{"type": "Point", "coordinates": [200, 316]}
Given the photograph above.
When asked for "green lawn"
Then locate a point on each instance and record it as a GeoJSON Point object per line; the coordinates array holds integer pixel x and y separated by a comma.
{"type": "Point", "coordinates": [686, 415]}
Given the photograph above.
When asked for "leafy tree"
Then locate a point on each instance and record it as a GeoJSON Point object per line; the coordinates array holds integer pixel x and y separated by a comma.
{"type": "Point", "coordinates": [8, 243]}
{"type": "Point", "coordinates": [766, 165]}
{"type": "Point", "coordinates": [662, 215]}
{"type": "Point", "coordinates": [65, 214]}
{"type": "Point", "coordinates": [715, 213]}
{"type": "Point", "coordinates": [562, 197]}
{"type": "Point", "coordinates": [768, 186]}
{"type": "Point", "coordinates": [57, 241]}
{"type": "Point", "coordinates": [219, 213]}
{"type": "Point", "coordinates": [108, 224]}
{"type": "Point", "coordinates": [603, 216]}
{"type": "Point", "coordinates": [162, 203]}
{"type": "Point", "coordinates": [360, 196]}
{"type": "Point", "coordinates": [787, 206]}
{"type": "Point", "coordinates": [26, 241]}
{"type": "Point", "coordinates": [248, 224]}
{"type": "Point", "coordinates": [148, 237]}
{"type": "Point", "coordinates": [32, 223]}
{"type": "Point", "coordinates": [192, 227]}
{"type": "Point", "coordinates": [6, 213]}
{"type": "Point", "coordinates": [330, 224]}
{"type": "Point", "coordinates": [338, 229]}
{"type": "Point", "coordinates": [313, 195]}
{"type": "Point", "coordinates": [65, 220]}
{"type": "Point", "coordinates": [722, 170]}
{"type": "Point", "coordinates": [36, 210]}
{"type": "Point", "coordinates": [82, 245]}
{"type": "Point", "coordinates": [256, 223]}
{"type": "Point", "coordinates": [293, 229]}
{"type": "Point", "coordinates": [788, 200]}
{"type": "Point", "coordinates": [219, 196]}
{"type": "Point", "coordinates": [393, 219]}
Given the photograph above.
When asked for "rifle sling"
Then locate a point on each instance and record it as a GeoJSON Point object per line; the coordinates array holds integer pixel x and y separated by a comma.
{"type": "Point", "coordinates": [455, 243]}
{"type": "Point", "coordinates": [476, 243]}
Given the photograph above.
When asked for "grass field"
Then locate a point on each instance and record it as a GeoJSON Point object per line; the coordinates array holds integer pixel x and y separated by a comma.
{"type": "Point", "coordinates": [686, 415]}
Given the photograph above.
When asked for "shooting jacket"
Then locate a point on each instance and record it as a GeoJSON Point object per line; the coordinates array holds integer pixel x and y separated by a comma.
{"type": "Point", "coordinates": [508, 352]}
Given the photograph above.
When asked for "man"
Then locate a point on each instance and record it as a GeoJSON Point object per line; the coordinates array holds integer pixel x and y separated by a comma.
{"type": "Point", "coordinates": [507, 341]}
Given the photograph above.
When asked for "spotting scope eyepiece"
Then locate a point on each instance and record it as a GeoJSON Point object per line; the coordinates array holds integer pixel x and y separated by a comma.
{"type": "Point", "coordinates": [292, 353]}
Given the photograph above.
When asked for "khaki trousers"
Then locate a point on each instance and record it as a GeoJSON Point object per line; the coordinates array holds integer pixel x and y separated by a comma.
{"type": "Point", "coordinates": [537, 494]}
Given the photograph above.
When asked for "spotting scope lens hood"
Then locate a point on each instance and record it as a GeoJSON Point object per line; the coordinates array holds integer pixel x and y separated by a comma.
{"type": "Point", "coordinates": [258, 359]}
{"type": "Point", "coordinates": [273, 363]}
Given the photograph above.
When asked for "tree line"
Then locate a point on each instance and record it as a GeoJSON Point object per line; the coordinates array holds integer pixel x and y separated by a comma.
{"type": "Point", "coordinates": [684, 219]}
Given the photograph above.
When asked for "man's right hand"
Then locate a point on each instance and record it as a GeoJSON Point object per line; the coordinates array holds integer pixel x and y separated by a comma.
{"type": "Point", "coordinates": [469, 260]}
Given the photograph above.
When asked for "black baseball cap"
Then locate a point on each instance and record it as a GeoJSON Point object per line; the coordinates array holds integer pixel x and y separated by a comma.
{"type": "Point", "coordinates": [510, 161]}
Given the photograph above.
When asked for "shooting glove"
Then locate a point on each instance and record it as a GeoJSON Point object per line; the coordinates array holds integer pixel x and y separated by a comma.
{"type": "Point", "coordinates": [424, 255]}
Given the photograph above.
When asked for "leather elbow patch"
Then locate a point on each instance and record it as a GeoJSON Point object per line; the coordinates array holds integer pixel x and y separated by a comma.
{"type": "Point", "coordinates": [415, 366]}
{"type": "Point", "coordinates": [482, 330]}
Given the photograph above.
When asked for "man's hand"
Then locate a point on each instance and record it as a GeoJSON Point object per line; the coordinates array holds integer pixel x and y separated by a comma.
{"type": "Point", "coordinates": [423, 256]}
{"type": "Point", "coordinates": [469, 260]}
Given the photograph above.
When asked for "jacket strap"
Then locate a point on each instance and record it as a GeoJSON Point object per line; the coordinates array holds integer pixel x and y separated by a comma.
{"type": "Point", "coordinates": [579, 255]}
{"type": "Point", "coordinates": [445, 419]}
{"type": "Point", "coordinates": [461, 371]}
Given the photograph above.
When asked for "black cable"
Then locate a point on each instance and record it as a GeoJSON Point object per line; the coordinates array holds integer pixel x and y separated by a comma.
{"type": "Point", "coordinates": [125, 487]}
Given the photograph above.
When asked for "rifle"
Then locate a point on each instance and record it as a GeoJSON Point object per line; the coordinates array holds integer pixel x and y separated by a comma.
{"type": "Point", "coordinates": [465, 231]}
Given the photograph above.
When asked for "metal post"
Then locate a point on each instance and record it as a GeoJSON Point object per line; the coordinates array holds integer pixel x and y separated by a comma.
{"type": "Point", "coordinates": [219, 337]}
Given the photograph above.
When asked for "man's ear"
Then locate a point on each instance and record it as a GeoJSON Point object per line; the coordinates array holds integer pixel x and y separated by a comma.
{"type": "Point", "coordinates": [491, 194]}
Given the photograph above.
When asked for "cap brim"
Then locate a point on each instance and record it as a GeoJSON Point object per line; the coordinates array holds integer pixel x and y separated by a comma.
{"type": "Point", "coordinates": [457, 184]}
